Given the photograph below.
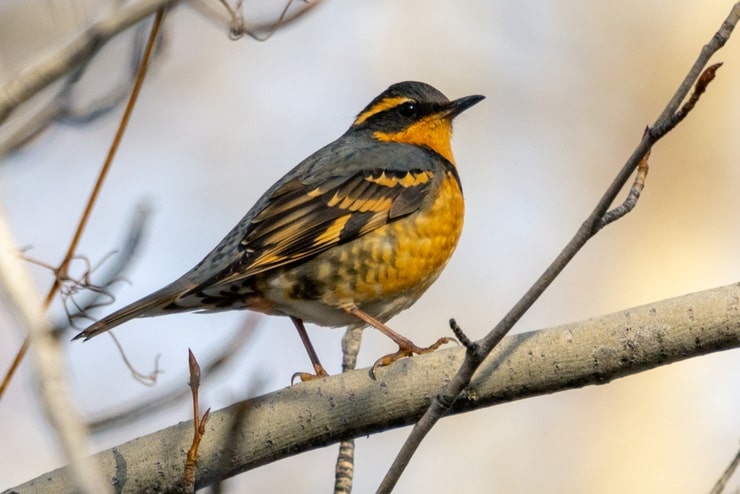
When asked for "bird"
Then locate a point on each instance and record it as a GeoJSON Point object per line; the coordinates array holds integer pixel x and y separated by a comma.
{"type": "Point", "coordinates": [351, 236]}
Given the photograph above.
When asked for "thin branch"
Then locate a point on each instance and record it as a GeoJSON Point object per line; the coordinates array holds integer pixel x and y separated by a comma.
{"type": "Point", "coordinates": [462, 337]}
{"type": "Point", "coordinates": [239, 29]}
{"type": "Point", "coordinates": [446, 397]}
{"type": "Point", "coordinates": [662, 127]}
{"type": "Point", "coordinates": [121, 261]}
{"type": "Point", "coordinates": [726, 475]}
{"type": "Point", "coordinates": [19, 356]}
{"type": "Point", "coordinates": [199, 425]}
{"type": "Point", "coordinates": [62, 269]}
{"type": "Point", "coordinates": [113, 148]}
{"type": "Point", "coordinates": [234, 18]}
{"type": "Point", "coordinates": [320, 412]}
{"type": "Point", "coordinates": [114, 269]}
{"type": "Point", "coordinates": [634, 194]}
{"type": "Point", "coordinates": [147, 379]}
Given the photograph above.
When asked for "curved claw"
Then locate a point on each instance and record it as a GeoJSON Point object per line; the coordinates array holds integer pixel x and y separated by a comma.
{"type": "Point", "coordinates": [407, 350]}
{"type": "Point", "coordinates": [307, 376]}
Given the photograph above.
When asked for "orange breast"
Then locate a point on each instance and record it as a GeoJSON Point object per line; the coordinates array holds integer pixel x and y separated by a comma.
{"type": "Point", "coordinates": [406, 256]}
{"type": "Point", "coordinates": [383, 271]}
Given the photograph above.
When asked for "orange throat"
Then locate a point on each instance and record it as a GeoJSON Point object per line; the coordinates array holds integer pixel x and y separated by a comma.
{"type": "Point", "coordinates": [432, 132]}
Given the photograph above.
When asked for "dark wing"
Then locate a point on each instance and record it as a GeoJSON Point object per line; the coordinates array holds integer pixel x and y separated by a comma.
{"type": "Point", "coordinates": [300, 221]}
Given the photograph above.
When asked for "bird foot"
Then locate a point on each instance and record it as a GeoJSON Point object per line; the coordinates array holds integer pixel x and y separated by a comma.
{"type": "Point", "coordinates": [307, 376]}
{"type": "Point", "coordinates": [407, 349]}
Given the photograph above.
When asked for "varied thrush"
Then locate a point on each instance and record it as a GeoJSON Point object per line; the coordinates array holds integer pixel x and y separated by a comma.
{"type": "Point", "coordinates": [351, 236]}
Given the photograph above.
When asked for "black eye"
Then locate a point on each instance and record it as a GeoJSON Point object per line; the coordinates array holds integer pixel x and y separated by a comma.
{"type": "Point", "coordinates": [407, 110]}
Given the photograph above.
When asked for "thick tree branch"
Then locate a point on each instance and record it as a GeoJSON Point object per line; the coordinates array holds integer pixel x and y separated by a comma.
{"type": "Point", "coordinates": [317, 413]}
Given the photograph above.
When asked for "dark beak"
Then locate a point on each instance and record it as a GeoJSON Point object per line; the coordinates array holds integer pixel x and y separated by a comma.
{"type": "Point", "coordinates": [456, 107]}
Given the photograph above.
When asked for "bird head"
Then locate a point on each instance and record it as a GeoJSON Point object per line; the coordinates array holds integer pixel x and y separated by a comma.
{"type": "Point", "coordinates": [413, 113]}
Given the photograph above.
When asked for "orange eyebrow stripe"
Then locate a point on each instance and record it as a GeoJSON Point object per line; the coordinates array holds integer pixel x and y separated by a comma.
{"type": "Point", "coordinates": [382, 105]}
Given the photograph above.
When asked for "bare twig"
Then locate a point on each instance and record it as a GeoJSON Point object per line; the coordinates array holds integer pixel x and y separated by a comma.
{"type": "Point", "coordinates": [324, 411]}
{"type": "Point", "coordinates": [199, 426]}
{"type": "Point", "coordinates": [62, 269]}
{"type": "Point", "coordinates": [634, 194]}
{"type": "Point", "coordinates": [130, 247]}
{"type": "Point", "coordinates": [446, 397]}
{"type": "Point", "coordinates": [726, 475]}
{"type": "Point", "coordinates": [70, 285]}
{"type": "Point", "coordinates": [147, 379]}
{"type": "Point", "coordinates": [706, 77]}
{"type": "Point", "coordinates": [462, 337]}
{"type": "Point", "coordinates": [113, 149]}
{"type": "Point", "coordinates": [14, 366]}
{"type": "Point", "coordinates": [238, 28]}
{"type": "Point", "coordinates": [234, 18]}
{"type": "Point", "coordinates": [114, 269]}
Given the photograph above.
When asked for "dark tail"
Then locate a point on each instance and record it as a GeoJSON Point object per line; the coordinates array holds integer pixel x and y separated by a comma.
{"type": "Point", "coordinates": [158, 303]}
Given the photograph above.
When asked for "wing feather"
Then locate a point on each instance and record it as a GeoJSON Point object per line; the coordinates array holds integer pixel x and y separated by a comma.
{"type": "Point", "coordinates": [300, 221]}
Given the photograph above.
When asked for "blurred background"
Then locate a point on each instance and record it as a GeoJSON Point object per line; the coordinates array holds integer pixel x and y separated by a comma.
{"type": "Point", "coordinates": [570, 86]}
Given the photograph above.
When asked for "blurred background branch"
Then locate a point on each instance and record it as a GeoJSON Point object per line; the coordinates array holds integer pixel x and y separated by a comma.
{"type": "Point", "coordinates": [125, 413]}
{"type": "Point", "coordinates": [38, 75]}
{"type": "Point", "coordinates": [19, 293]}
{"type": "Point", "coordinates": [70, 64]}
